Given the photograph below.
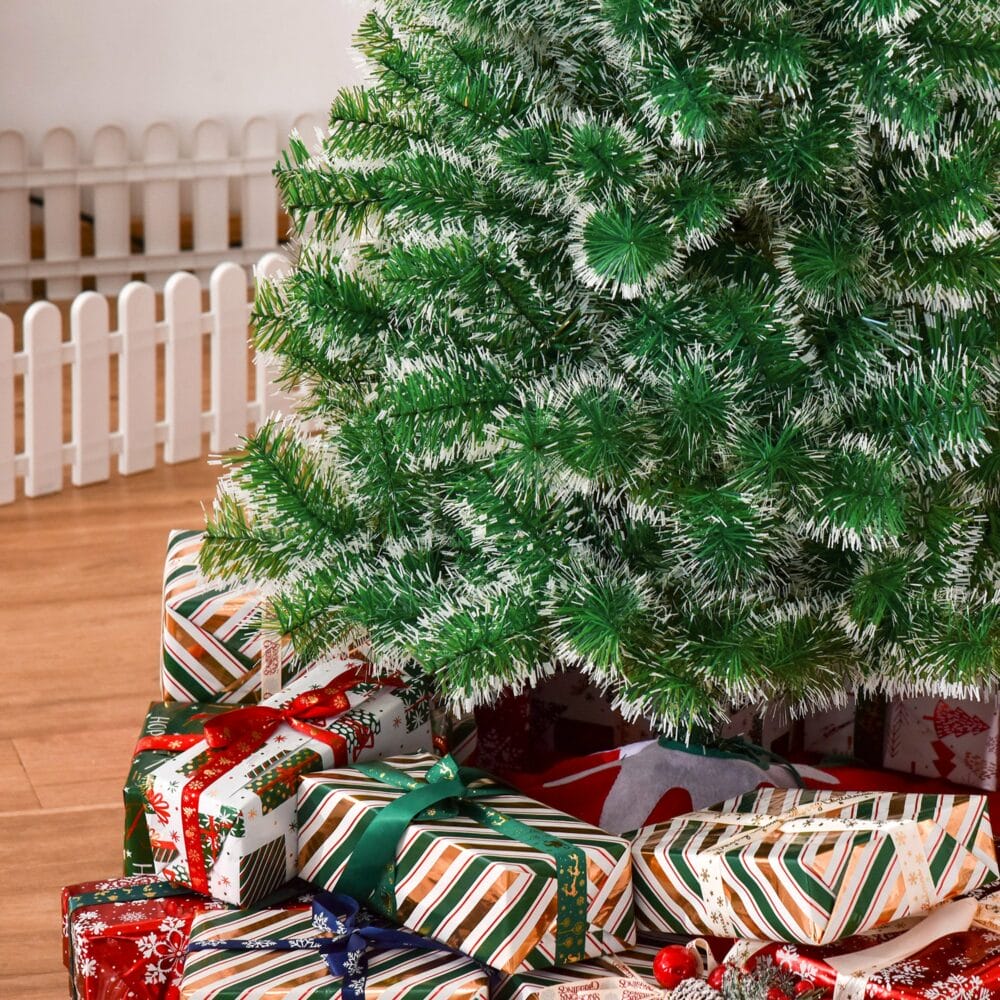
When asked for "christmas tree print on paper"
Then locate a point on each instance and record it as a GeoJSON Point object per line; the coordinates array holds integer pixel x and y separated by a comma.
{"type": "Point", "coordinates": [416, 696]}
{"type": "Point", "coordinates": [275, 782]}
{"type": "Point", "coordinates": [657, 339]}
{"type": "Point", "coordinates": [952, 720]}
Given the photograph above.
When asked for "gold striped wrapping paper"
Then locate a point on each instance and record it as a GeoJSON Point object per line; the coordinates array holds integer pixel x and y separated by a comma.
{"type": "Point", "coordinates": [263, 974]}
{"type": "Point", "coordinates": [463, 884]}
{"type": "Point", "coordinates": [809, 866]}
{"type": "Point", "coordinates": [527, 985]}
{"type": "Point", "coordinates": [212, 642]}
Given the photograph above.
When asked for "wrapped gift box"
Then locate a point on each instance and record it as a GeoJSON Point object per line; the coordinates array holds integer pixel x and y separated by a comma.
{"type": "Point", "coordinates": [213, 646]}
{"type": "Point", "coordinates": [953, 954]}
{"type": "Point", "coordinates": [222, 812]}
{"type": "Point", "coordinates": [563, 715]}
{"type": "Point", "coordinates": [953, 738]}
{"type": "Point", "coordinates": [126, 937]}
{"type": "Point", "coordinates": [276, 954]}
{"type": "Point", "coordinates": [809, 866]}
{"type": "Point", "coordinates": [830, 733]}
{"type": "Point", "coordinates": [501, 877]}
{"type": "Point", "coordinates": [163, 719]}
{"type": "Point", "coordinates": [853, 729]}
{"type": "Point", "coordinates": [643, 783]}
{"type": "Point", "coordinates": [637, 961]}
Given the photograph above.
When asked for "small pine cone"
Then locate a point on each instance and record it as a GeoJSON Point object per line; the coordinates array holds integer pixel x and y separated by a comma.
{"type": "Point", "coordinates": [694, 989]}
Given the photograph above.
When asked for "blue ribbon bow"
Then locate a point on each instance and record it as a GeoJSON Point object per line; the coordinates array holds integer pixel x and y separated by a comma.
{"type": "Point", "coordinates": [345, 951]}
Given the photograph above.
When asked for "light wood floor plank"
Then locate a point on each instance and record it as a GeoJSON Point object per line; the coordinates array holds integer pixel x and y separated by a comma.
{"type": "Point", "coordinates": [79, 625]}
{"type": "Point", "coordinates": [17, 790]}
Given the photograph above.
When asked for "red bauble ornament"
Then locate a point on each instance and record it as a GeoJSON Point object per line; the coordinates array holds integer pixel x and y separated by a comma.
{"type": "Point", "coordinates": [673, 964]}
{"type": "Point", "coordinates": [804, 986]}
{"type": "Point", "coordinates": [716, 976]}
{"type": "Point", "coordinates": [776, 993]}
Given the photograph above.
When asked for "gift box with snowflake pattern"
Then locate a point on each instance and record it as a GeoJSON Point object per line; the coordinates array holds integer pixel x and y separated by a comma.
{"type": "Point", "coordinates": [953, 954]}
{"type": "Point", "coordinates": [276, 954]}
{"type": "Point", "coordinates": [126, 937]}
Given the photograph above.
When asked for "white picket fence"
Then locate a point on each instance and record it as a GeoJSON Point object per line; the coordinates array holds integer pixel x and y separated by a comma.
{"type": "Point", "coordinates": [155, 185]}
{"type": "Point", "coordinates": [88, 351]}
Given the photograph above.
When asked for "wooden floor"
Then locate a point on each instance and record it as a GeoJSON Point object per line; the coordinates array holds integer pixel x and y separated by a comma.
{"type": "Point", "coordinates": [79, 638]}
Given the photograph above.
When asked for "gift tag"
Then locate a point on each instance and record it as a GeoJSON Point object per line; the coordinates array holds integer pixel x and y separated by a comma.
{"type": "Point", "coordinates": [270, 666]}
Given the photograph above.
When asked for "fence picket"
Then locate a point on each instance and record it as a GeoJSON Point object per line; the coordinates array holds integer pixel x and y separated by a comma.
{"type": "Point", "coordinates": [271, 397]}
{"type": "Point", "coordinates": [259, 200]}
{"type": "Point", "coordinates": [210, 195]}
{"type": "Point", "coordinates": [61, 208]}
{"type": "Point", "coordinates": [7, 490]}
{"type": "Point", "coordinates": [43, 399]}
{"type": "Point", "coordinates": [182, 382]}
{"type": "Point", "coordinates": [230, 411]}
{"type": "Point", "coordinates": [90, 405]}
{"type": "Point", "coordinates": [160, 202]}
{"type": "Point", "coordinates": [15, 215]}
{"type": "Point", "coordinates": [306, 126]}
{"type": "Point", "coordinates": [228, 297]}
{"type": "Point", "coordinates": [154, 178]}
{"type": "Point", "coordinates": [112, 237]}
{"type": "Point", "coordinates": [136, 376]}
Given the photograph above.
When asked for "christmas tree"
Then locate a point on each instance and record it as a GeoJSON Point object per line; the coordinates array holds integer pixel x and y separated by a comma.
{"type": "Point", "coordinates": [656, 338]}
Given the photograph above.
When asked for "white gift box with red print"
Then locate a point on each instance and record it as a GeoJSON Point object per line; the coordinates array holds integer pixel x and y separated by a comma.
{"type": "Point", "coordinates": [951, 738]}
{"type": "Point", "coordinates": [221, 813]}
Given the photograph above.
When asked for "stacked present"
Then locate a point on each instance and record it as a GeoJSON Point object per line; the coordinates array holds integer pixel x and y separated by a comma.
{"type": "Point", "coordinates": [301, 830]}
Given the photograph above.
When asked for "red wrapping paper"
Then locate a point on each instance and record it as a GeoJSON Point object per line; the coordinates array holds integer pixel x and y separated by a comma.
{"type": "Point", "coordinates": [958, 966]}
{"type": "Point", "coordinates": [126, 949]}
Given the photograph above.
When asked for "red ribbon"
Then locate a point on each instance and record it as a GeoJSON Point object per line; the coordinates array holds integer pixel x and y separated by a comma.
{"type": "Point", "coordinates": [235, 735]}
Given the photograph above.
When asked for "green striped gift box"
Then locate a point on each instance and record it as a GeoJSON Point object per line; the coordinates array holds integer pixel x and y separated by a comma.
{"type": "Point", "coordinates": [527, 985]}
{"type": "Point", "coordinates": [809, 866]}
{"type": "Point", "coordinates": [467, 885]}
{"type": "Point", "coordinates": [263, 973]}
{"type": "Point", "coordinates": [212, 640]}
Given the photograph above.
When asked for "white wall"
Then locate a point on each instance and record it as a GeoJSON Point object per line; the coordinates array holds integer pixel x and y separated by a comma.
{"type": "Point", "coordinates": [87, 63]}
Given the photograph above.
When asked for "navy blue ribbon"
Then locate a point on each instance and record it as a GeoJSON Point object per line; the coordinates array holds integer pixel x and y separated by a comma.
{"type": "Point", "coordinates": [345, 951]}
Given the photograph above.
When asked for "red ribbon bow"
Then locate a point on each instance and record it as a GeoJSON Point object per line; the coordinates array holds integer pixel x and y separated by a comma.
{"type": "Point", "coordinates": [251, 726]}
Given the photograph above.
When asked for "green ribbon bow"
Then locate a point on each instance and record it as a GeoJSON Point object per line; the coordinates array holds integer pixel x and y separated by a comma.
{"type": "Point", "coordinates": [447, 791]}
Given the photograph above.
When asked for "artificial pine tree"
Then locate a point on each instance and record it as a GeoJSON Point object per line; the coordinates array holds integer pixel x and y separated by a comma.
{"type": "Point", "coordinates": [653, 337]}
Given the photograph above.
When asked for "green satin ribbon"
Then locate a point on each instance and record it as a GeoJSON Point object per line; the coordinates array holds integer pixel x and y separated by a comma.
{"type": "Point", "coordinates": [370, 875]}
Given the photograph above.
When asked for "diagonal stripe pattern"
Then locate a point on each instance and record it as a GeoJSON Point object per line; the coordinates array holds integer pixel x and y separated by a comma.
{"type": "Point", "coordinates": [264, 974]}
{"type": "Point", "coordinates": [212, 641]}
{"type": "Point", "coordinates": [809, 866]}
{"type": "Point", "coordinates": [463, 884]}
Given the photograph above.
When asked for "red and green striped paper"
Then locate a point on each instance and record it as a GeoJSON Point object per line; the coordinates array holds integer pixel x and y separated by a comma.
{"type": "Point", "coordinates": [212, 641]}
{"type": "Point", "coordinates": [263, 973]}
{"type": "Point", "coordinates": [464, 884]}
{"type": "Point", "coordinates": [809, 866]}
